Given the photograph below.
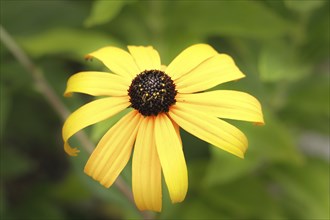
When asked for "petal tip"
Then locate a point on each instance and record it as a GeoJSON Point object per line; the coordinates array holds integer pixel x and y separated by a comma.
{"type": "Point", "coordinates": [145, 209]}
{"type": "Point", "coordinates": [106, 184]}
{"type": "Point", "coordinates": [240, 76]}
{"type": "Point", "coordinates": [70, 150]}
{"type": "Point", "coordinates": [89, 57]}
{"type": "Point", "coordinates": [179, 199]}
{"type": "Point", "coordinates": [260, 123]}
{"type": "Point", "coordinates": [67, 94]}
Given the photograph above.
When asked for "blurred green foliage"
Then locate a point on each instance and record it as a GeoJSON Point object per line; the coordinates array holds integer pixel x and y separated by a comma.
{"type": "Point", "coordinates": [283, 48]}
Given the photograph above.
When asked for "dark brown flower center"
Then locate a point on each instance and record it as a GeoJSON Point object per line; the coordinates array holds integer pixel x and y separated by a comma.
{"type": "Point", "coordinates": [152, 92]}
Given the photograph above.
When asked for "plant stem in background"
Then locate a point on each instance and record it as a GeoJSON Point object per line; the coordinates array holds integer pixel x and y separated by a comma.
{"type": "Point", "coordinates": [52, 98]}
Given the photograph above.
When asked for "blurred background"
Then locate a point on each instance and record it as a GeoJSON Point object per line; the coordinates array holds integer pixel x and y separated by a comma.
{"type": "Point", "coordinates": [283, 48]}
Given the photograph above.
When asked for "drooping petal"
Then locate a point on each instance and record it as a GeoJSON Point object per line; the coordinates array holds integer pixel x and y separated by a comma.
{"type": "Point", "coordinates": [171, 158]}
{"type": "Point", "coordinates": [146, 58]}
{"type": "Point", "coordinates": [146, 169]}
{"type": "Point", "coordinates": [189, 59]}
{"type": "Point", "coordinates": [97, 84]}
{"type": "Point", "coordinates": [219, 69]}
{"type": "Point", "coordinates": [210, 129]}
{"type": "Point", "coordinates": [114, 149]}
{"type": "Point", "coordinates": [117, 60]}
{"type": "Point", "coordinates": [224, 104]}
{"type": "Point", "coordinates": [89, 114]}
{"type": "Point", "coordinates": [72, 151]}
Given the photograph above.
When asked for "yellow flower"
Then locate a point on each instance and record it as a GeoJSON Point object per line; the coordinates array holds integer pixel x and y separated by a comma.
{"type": "Point", "coordinates": [162, 99]}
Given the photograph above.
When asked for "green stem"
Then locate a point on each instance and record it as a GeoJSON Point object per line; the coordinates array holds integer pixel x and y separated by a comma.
{"type": "Point", "coordinates": [53, 99]}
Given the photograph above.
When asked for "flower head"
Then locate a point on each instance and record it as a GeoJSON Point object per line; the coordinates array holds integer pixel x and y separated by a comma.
{"type": "Point", "coordinates": [161, 100]}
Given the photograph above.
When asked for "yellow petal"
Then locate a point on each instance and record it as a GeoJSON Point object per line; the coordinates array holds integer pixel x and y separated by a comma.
{"type": "Point", "coordinates": [113, 151]}
{"type": "Point", "coordinates": [177, 129]}
{"type": "Point", "coordinates": [91, 113]}
{"type": "Point", "coordinates": [210, 129]}
{"type": "Point", "coordinates": [189, 59]}
{"type": "Point", "coordinates": [146, 169]}
{"type": "Point", "coordinates": [70, 150]}
{"type": "Point", "coordinates": [163, 67]}
{"type": "Point", "coordinates": [97, 84]}
{"type": "Point", "coordinates": [117, 60]}
{"type": "Point", "coordinates": [171, 158]}
{"type": "Point", "coordinates": [224, 104]}
{"type": "Point", "coordinates": [146, 58]}
{"type": "Point", "coordinates": [214, 71]}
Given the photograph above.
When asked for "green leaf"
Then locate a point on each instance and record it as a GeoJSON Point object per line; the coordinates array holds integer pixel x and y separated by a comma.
{"type": "Point", "coordinates": [304, 187]}
{"type": "Point", "coordinates": [70, 189]}
{"type": "Point", "coordinates": [317, 43]}
{"type": "Point", "coordinates": [14, 164]}
{"type": "Point", "coordinates": [38, 207]}
{"type": "Point", "coordinates": [304, 6]}
{"type": "Point", "coordinates": [311, 96]}
{"type": "Point", "coordinates": [225, 167]}
{"type": "Point", "coordinates": [41, 15]}
{"type": "Point", "coordinates": [307, 104]}
{"type": "Point", "coordinates": [271, 143]}
{"type": "Point", "coordinates": [71, 42]}
{"type": "Point", "coordinates": [197, 208]}
{"type": "Point", "coordinates": [104, 11]}
{"type": "Point", "coordinates": [242, 199]}
{"type": "Point", "coordinates": [250, 19]}
{"type": "Point", "coordinates": [279, 61]}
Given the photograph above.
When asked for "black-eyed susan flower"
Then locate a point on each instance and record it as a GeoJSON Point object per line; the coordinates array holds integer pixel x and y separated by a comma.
{"type": "Point", "coordinates": [161, 100]}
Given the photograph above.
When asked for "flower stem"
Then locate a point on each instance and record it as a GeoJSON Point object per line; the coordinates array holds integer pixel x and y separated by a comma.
{"type": "Point", "coordinates": [53, 99]}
